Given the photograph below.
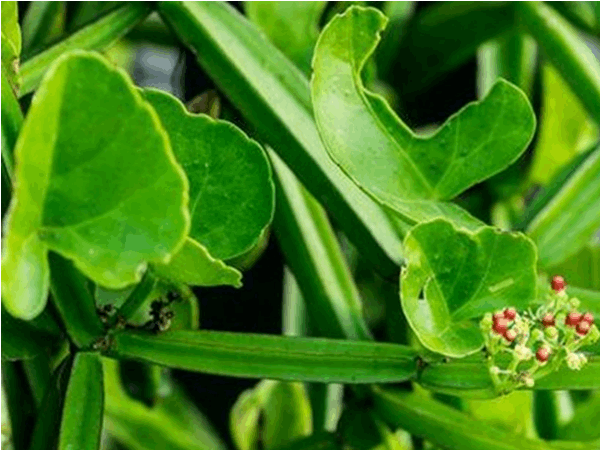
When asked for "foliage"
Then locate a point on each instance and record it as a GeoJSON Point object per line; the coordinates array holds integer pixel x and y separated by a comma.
{"type": "Point", "coordinates": [415, 253]}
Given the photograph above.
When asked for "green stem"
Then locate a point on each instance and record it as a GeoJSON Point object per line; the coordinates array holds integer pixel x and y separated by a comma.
{"type": "Point", "coordinates": [74, 302]}
{"type": "Point", "coordinates": [95, 36]}
{"type": "Point", "coordinates": [313, 253]}
{"type": "Point", "coordinates": [566, 50]}
{"type": "Point", "coordinates": [137, 297]}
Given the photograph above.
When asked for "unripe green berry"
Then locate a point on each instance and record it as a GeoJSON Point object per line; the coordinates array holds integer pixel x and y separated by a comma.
{"type": "Point", "coordinates": [574, 303]}
{"type": "Point", "coordinates": [537, 335]}
{"type": "Point", "coordinates": [551, 333]}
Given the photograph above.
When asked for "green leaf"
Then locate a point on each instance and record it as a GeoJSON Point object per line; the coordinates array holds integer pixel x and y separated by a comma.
{"type": "Point", "coordinates": [70, 147]}
{"type": "Point", "coordinates": [454, 276]}
{"type": "Point", "coordinates": [11, 44]}
{"type": "Point", "coordinates": [274, 357]}
{"type": "Point", "coordinates": [445, 426]}
{"type": "Point", "coordinates": [566, 50]}
{"type": "Point", "coordinates": [96, 35]}
{"type": "Point", "coordinates": [274, 97]}
{"type": "Point", "coordinates": [270, 415]}
{"type": "Point", "coordinates": [231, 189]}
{"type": "Point", "coordinates": [42, 24]}
{"type": "Point", "coordinates": [293, 27]}
{"type": "Point", "coordinates": [173, 422]}
{"type": "Point", "coordinates": [572, 216]}
{"type": "Point", "coordinates": [315, 257]}
{"type": "Point", "coordinates": [565, 128]}
{"type": "Point", "coordinates": [84, 404]}
{"type": "Point", "coordinates": [410, 174]}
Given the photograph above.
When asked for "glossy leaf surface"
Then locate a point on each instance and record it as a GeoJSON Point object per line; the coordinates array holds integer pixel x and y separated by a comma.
{"type": "Point", "coordinates": [571, 217]}
{"type": "Point", "coordinates": [84, 405]}
{"type": "Point", "coordinates": [275, 357]}
{"type": "Point", "coordinates": [79, 190]}
{"type": "Point", "coordinates": [443, 290]}
{"type": "Point", "coordinates": [231, 190]}
{"type": "Point", "coordinates": [274, 97]}
{"type": "Point", "coordinates": [410, 174]}
{"type": "Point", "coordinates": [194, 265]}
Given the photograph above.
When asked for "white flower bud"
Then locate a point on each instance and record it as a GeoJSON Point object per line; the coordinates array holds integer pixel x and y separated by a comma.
{"type": "Point", "coordinates": [523, 353]}
{"type": "Point", "coordinates": [576, 361]}
{"type": "Point", "coordinates": [529, 381]}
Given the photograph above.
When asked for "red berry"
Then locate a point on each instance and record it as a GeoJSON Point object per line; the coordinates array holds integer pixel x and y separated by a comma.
{"type": "Point", "coordinates": [498, 315]}
{"type": "Point", "coordinates": [558, 283]}
{"type": "Point", "coordinates": [510, 335]}
{"type": "Point", "coordinates": [588, 317]}
{"type": "Point", "coordinates": [548, 320]}
{"type": "Point", "coordinates": [510, 313]}
{"type": "Point", "coordinates": [542, 354]}
{"type": "Point", "coordinates": [500, 325]}
{"type": "Point", "coordinates": [573, 318]}
{"type": "Point", "coordinates": [583, 328]}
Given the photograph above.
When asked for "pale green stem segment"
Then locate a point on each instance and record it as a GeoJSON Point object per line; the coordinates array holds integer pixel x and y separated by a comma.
{"type": "Point", "coordinates": [81, 422]}
{"type": "Point", "coordinates": [96, 36]}
{"type": "Point", "coordinates": [266, 356]}
{"type": "Point", "coordinates": [313, 253]}
{"type": "Point", "coordinates": [566, 50]}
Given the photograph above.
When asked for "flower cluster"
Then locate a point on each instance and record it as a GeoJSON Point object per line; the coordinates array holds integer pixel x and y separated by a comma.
{"type": "Point", "coordinates": [523, 347]}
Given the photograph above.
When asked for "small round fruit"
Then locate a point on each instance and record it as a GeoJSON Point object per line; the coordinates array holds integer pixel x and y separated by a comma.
{"type": "Point", "coordinates": [583, 328]}
{"type": "Point", "coordinates": [588, 317]}
{"type": "Point", "coordinates": [510, 313]}
{"type": "Point", "coordinates": [573, 318]}
{"type": "Point", "coordinates": [542, 354]}
{"type": "Point", "coordinates": [558, 283]}
{"type": "Point", "coordinates": [510, 335]}
{"type": "Point", "coordinates": [548, 320]}
{"type": "Point", "coordinates": [500, 326]}
{"type": "Point", "coordinates": [498, 315]}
